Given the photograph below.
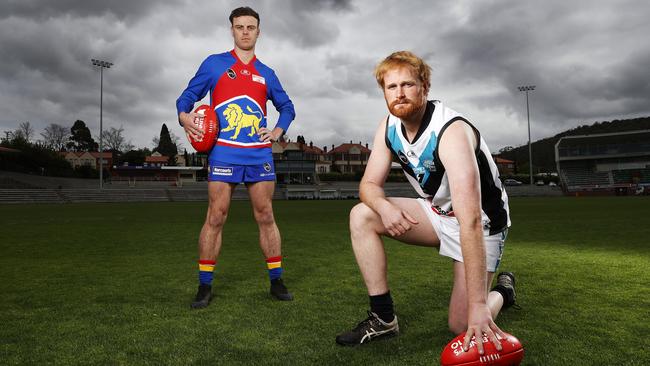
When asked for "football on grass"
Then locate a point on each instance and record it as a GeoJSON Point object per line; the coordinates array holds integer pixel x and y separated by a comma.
{"type": "Point", "coordinates": [511, 353]}
{"type": "Point", "coordinates": [207, 124]}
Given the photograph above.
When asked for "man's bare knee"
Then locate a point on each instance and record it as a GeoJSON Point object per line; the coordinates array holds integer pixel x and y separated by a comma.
{"type": "Point", "coordinates": [360, 217]}
{"type": "Point", "coordinates": [216, 217]}
{"type": "Point", "coordinates": [264, 216]}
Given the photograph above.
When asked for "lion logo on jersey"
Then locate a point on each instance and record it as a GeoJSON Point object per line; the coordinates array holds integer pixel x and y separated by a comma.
{"type": "Point", "coordinates": [237, 120]}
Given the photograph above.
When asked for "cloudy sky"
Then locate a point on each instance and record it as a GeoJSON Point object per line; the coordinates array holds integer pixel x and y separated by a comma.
{"type": "Point", "coordinates": [589, 60]}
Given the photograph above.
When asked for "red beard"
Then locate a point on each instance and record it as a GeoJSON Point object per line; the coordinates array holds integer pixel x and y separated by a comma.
{"type": "Point", "coordinates": [407, 109]}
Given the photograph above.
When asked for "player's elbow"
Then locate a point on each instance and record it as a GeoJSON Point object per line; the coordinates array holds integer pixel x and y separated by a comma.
{"type": "Point", "coordinates": [470, 221]}
{"type": "Point", "coordinates": [288, 109]}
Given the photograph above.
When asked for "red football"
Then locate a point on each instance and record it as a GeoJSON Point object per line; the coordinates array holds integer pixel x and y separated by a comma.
{"type": "Point", "coordinates": [511, 354]}
{"type": "Point", "coordinates": [208, 124]}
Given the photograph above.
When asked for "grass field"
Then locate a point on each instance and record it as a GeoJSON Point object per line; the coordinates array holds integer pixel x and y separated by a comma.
{"type": "Point", "coordinates": [111, 284]}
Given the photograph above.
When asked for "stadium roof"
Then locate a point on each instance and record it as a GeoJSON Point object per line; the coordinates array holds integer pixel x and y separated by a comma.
{"type": "Point", "coordinates": [624, 137]}
{"type": "Point", "coordinates": [606, 145]}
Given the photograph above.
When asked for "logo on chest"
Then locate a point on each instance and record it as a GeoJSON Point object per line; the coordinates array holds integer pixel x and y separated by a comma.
{"type": "Point", "coordinates": [429, 165]}
{"type": "Point", "coordinates": [231, 73]}
{"type": "Point", "coordinates": [237, 116]}
{"type": "Point", "coordinates": [259, 79]}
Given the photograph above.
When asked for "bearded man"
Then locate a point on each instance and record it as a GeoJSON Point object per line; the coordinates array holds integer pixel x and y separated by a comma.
{"type": "Point", "coordinates": [463, 209]}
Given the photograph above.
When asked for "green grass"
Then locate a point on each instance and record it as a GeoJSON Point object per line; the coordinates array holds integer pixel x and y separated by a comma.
{"type": "Point", "coordinates": [111, 284]}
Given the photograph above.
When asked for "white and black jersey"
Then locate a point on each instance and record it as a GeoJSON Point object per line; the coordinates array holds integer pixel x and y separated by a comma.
{"type": "Point", "coordinates": [422, 166]}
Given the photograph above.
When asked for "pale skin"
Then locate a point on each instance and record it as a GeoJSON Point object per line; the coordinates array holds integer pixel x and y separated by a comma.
{"type": "Point", "coordinates": [245, 31]}
{"type": "Point", "coordinates": [471, 308]}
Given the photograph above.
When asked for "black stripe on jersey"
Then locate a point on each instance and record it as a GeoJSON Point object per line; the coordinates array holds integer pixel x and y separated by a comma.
{"type": "Point", "coordinates": [477, 149]}
{"type": "Point", "coordinates": [426, 119]}
{"type": "Point", "coordinates": [491, 202]}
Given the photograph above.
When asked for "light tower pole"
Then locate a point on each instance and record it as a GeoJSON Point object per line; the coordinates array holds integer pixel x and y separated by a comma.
{"type": "Point", "coordinates": [526, 89]}
{"type": "Point", "coordinates": [102, 65]}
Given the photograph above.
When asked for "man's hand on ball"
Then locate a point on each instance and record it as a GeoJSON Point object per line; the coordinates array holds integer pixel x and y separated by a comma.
{"type": "Point", "coordinates": [190, 122]}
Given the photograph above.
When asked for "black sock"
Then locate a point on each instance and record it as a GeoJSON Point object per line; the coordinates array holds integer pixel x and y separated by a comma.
{"type": "Point", "coordinates": [507, 297]}
{"type": "Point", "coordinates": [382, 305]}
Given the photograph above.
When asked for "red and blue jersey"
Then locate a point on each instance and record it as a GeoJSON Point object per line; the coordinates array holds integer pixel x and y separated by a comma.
{"type": "Point", "coordinates": [238, 95]}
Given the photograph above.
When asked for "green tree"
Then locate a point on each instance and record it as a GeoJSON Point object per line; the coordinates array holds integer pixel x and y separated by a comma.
{"type": "Point", "coordinates": [166, 146]}
{"type": "Point", "coordinates": [134, 157]}
{"type": "Point", "coordinates": [80, 138]}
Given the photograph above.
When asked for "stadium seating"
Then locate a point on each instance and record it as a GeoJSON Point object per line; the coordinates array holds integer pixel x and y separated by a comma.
{"type": "Point", "coordinates": [576, 175]}
{"type": "Point", "coordinates": [622, 176]}
{"type": "Point", "coordinates": [30, 196]}
{"type": "Point", "coordinates": [645, 176]}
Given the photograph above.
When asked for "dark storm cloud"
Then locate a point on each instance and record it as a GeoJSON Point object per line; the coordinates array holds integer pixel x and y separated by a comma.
{"type": "Point", "coordinates": [587, 58]}
{"type": "Point", "coordinates": [575, 53]}
{"type": "Point", "coordinates": [44, 9]}
{"type": "Point", "coordinates": [318, 5]}
{"type": "Point", "coordinates": [352, 74]}
{"type": "Point", "coordinates": [308, 24]}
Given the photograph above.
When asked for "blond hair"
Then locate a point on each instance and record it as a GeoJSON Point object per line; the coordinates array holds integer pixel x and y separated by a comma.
{"type": "Point", "coordinates": [407, 59]}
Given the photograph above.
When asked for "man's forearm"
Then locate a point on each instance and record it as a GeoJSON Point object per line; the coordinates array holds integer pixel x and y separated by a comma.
{"type": "Point", "coordinates": [372, 195]}
{"type": "Point", "coordinates": [471, 238]}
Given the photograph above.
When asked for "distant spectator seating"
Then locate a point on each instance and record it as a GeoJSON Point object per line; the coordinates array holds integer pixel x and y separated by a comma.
{"type": "Point", "coordinates": [584, 176]}
{"type": "Point", "coordinates": [645, 176]}
{"type": "Point", "coordinates": [622, 176]}
{"type": "Point", "coordinates": [11, 183]}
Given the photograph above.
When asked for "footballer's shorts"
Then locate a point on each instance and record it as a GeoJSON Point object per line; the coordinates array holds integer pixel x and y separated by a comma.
{"type": "Point", "coordinates": [448, 231]}
{"type": "Point", "coordinates": [235, 173]}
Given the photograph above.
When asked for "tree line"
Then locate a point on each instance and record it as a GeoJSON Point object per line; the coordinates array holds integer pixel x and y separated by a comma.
{"type": "Point", "coordinates": [42, 155]}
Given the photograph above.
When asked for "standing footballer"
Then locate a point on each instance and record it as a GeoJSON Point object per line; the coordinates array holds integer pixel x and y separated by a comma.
{"type": "Point", "coordinates": [463, 209]}
{"type": "Point", "coordinates": [239, 86]}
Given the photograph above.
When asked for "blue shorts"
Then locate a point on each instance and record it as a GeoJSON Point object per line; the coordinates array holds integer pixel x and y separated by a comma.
{"type": "Point", "coordinates": [235, 173]}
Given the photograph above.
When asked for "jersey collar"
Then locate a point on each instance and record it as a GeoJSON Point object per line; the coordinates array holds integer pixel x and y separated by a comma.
{"type": "Point", "coordinates": [426, 119]}
{"type": "Point", "coordinates": [234, 54]}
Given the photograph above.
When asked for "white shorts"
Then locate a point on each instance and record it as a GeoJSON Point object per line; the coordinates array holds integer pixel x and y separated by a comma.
{"type": "Point", "coordinates": [448, 231]}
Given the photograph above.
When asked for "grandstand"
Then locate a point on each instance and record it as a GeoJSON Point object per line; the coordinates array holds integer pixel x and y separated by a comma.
{"type": "Point", "coordinates": [610, 163]}
{"type": "Point", "coordinates": [27, 188]}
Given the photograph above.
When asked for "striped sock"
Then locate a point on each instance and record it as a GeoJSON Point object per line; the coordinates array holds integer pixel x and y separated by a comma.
{"type": "Point", "coordinates": [206, 269]}
{"type": "Point", "coordinates": [274, 264]}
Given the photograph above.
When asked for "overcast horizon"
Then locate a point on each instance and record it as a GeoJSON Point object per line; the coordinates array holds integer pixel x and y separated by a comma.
{"type": "Point", "coordinates": [588, 60]}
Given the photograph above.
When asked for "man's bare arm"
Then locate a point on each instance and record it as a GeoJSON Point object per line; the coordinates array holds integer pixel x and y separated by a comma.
{"type": "Point", "coordinates": [457, 153]}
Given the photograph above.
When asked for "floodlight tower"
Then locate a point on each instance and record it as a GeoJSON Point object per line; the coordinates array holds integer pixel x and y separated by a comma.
{"type": "Point", "coordinates": [527, 88]}
{"type": "Point", "coordinates": [102, 65]}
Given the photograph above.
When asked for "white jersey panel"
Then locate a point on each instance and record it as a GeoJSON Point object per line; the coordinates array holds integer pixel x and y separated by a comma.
{"type": "Point", "coordinates": [427, 175]}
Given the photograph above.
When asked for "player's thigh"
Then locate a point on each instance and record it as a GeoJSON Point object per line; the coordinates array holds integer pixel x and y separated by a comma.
{"type": "Point", "coordinates": [458, 300]}
{"type": "Point", "coordinates": [421, 233]}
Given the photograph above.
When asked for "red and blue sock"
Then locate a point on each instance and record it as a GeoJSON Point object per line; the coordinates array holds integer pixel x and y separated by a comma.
{"type": "Point", "coordinates": [274, 265]}
{"type": "Point", "coordinates": [206, 270]}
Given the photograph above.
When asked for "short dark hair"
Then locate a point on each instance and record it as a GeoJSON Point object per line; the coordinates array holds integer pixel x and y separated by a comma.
{"type": "Point", "coordinates": [243, 11]}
